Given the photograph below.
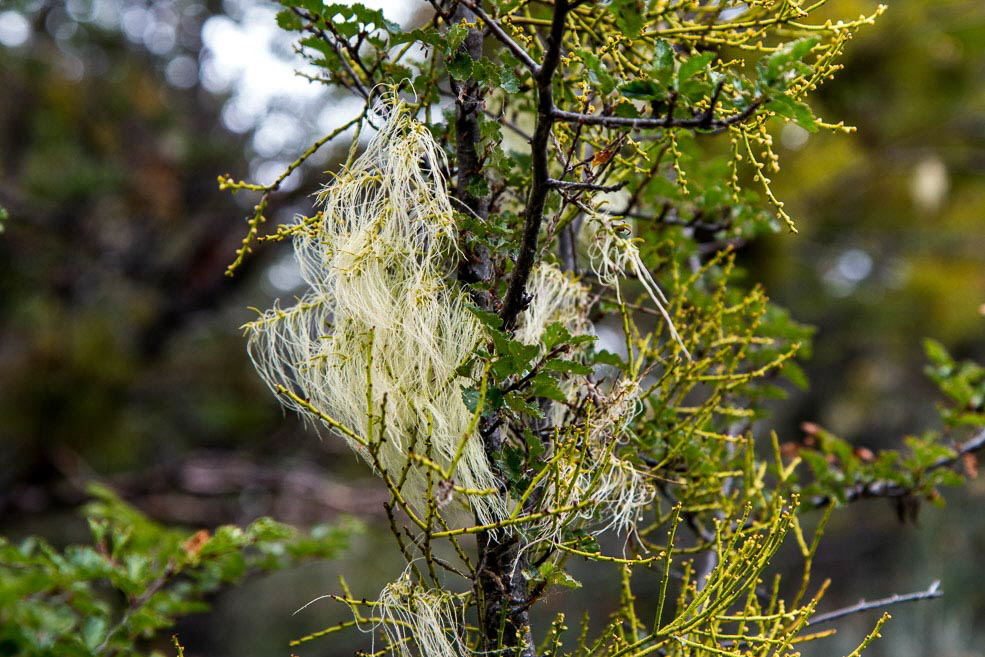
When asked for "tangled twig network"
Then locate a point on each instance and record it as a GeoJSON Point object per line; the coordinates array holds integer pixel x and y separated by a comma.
{"type": "Point", "coordinates": [585, 479]}
{"type": "Point", "coordinates": [374, 350]}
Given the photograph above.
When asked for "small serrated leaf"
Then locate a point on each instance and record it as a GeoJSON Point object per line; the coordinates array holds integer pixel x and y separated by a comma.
{"type": "Point", "coordinates": [455, 36]}
{"type": "Point", "coordinates": [508, 80]}
{"type": "Point", "coordinates": [643, 90]}
{"type": "Point", "coordinates": [565, 366]}
{"type": "Point", "coordinates": [693, 65]}
{"type": "Point", "coordinates": [516, 403]}
{"type": "Point", "coordinates": [545, 385]}
{"type": "Point", "coordinates": [597, 71]}
{"type": "Point", "coordinates": [460, 66]}
{"type": "Point", "coordinates": [288, 20]}
{"type": "Point", "coordinates": [628, 15]}
{"type": "Point", "coordinates": [663, 55]}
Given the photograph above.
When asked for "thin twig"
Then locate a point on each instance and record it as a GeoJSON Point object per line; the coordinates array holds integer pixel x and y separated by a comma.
{"type": "Point", "coordinates": [971, 445]}
{"type": "Point", "coordinates": [357, 84]}
{"type": "Point", "coordinates": [571, 184]}
{"type": "Point", "coordinates": [698, 123]}
{"type": "Point", "coordinates": [933, 591]}
{"type": "Point", "coordinates": [503, 37]}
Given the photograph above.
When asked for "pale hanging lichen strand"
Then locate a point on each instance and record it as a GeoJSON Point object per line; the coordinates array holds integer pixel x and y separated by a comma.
{"type": "Point", "coordinates": [376, 342]}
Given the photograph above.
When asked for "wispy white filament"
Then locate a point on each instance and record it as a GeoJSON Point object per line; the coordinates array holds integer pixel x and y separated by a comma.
{"type": "Point", "coordinates": [589, 482]}
{"type": "Point", "coordinates": [613, 252]}
{"type": "Point", "coordinates": [427, 618]}
{"type": "Point", "coordinates": [555, 296]}
{"type": "Point", "coordinates": [376, 341]}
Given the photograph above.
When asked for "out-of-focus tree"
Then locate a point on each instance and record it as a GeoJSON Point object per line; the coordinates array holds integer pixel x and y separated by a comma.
{"type": "Point", "coordinates": [111, 265]}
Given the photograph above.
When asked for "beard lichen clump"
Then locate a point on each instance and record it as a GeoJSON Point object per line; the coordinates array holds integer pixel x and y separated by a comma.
{"type": "Point", "coordinates": [376, 343]}
{"type": "Point", "coordinates": [374, 350]}
{"type": "Point", "coordinates": [588, 481]}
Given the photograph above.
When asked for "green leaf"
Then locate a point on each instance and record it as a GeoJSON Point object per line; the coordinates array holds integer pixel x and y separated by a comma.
{"type": "Point", "coordinates": [365, 16]}
{"type": "Point", "coordinates": [88, 563]}
{"type": "Point", "coordinates": [455, 36]}
{"type": "Point", "coordinates": [508, 80]}
{"type": "Point", "coordinates": [514, 401]}
{"type": "Point", "coordinates": [478, 186]}
{"type": "Point", "coordinates": [937, 353]}
{"type": "Point", "coordinates": [603, 357]}
{"type": "Point", "coordinates": [693, 65]}
{"type": "Point", "coordinates": [535, 447]}
{"type": "Point", "coordinates": [513, 459]}
{"type": "Point", "coordinates": [945, 477]}
{"type": "Point", "coordinates": [786, 58]}
{"type": "Point", "coordinates": [792, 109]}
{"type": "Point", "coordinates": [627, 110]}
{"type": "Point", "coordinates": [426, 36]}
{"type": "Point", "coordinates": [460, 66]}
{"type": "Point", "coordinates": [545, 385]}
{"type": "Point", "coordinates": [628, 15]}
{"type": "Point", "coordinates": [643, 90]}
{"type": "Point", "coordinates": [268, 529]}
{"type": "Point", "coordinates": [490, 319]}
{"type": "Point", "coordinates": [93, 631]}
{"type": "Point", "coordinates": [800, 48]}
{"type": "Point", "coordinates": [555, 334]}
{"type": "Point", "coordinates": [795, 374]}
{"type": "Point", "coordinates": [555, 575]}
{"type": "Point", "coordinates": [565, 366]}
{"type": "Point", "coordinates": [663, 55]}
{"type": "Point", "coordinates": [597, 72]}
{"type": "Point", "coordinates": [288, 20]}
{"type": "Point", "coordinates": [471, 397]}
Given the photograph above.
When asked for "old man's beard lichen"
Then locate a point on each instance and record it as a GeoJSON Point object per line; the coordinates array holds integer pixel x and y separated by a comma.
{"type": "Point", "coordinates": [376, 344]}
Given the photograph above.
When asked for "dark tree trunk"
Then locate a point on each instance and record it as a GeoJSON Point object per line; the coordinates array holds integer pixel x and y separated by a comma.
{"type": "Point", "coordinates": [501, 585]}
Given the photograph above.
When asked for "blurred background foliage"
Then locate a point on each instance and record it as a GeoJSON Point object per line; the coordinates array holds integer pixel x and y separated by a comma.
{"type": "Point", "coordinates": [120, 352]}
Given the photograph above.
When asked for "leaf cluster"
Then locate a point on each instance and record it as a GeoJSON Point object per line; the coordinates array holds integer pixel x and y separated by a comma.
{"type": "Point", "coordinates": [135, 579]}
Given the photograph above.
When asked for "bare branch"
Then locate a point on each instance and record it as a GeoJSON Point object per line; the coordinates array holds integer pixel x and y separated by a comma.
{"type": "Point", "coordinates": [503, 37]}
{"type": "Point", "coordinates": [933, 591]}
{"type": "Point", "coordinates": [533, 214]}
{"type": "Point", "coordinates": [571, 184]}
{"type": "Point", "coordinates": [702, 122]}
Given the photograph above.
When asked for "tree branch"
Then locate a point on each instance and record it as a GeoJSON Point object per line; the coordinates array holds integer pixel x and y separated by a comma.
{"type": "Point", "coordinates": [883, 488]}
{"type": "Point", "coordinates": [501, 582]}
{"type": "Point", "coordinates": [933, 591]}
{"type": "Point", "coordinates": [476, 264]}
{"type": "Point", "coordinates": [702, 122]}
{"type": "Point", "coordinates": [516, 299]}
{"type": "Point", "coordinates": [570, 184]}
{"type": "Point", "coordinates": [503, 37]}
{"type": "Point", "coordinates": [973, 444]}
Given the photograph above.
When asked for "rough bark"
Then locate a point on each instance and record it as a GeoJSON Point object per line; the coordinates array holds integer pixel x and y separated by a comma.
{"type": "Point", "coordinates": [501, 584]}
